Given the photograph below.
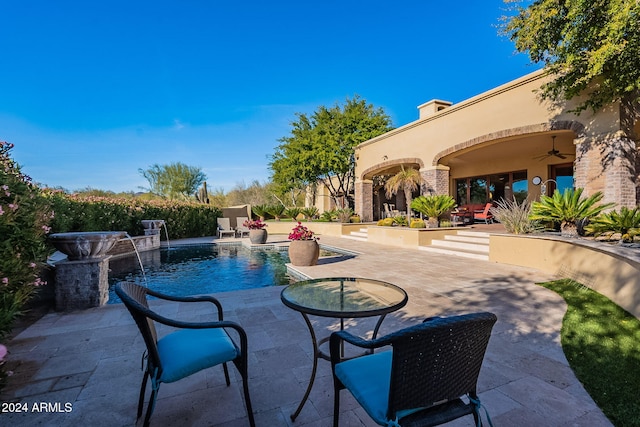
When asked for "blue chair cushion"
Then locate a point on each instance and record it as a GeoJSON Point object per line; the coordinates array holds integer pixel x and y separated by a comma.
{"type": "Point", "coordinates": [368, 378]}
{"type": "Point", "coordinates": [188, 351]}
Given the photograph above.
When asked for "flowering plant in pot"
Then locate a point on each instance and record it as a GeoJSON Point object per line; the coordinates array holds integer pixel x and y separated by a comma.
{"type": "Point", "coordinates": [303, 249]}
{"type": "Point", "coordinates": [300, 232]}
{"type": "Point", "coordinates": [257, 232]}
{"type": "Point", "coordinates": [254, 225]}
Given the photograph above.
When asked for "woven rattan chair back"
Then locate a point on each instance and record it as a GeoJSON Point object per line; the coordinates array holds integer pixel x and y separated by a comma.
{"type": "Point", "coordinates": [438, 360]}
{"type": "Point", "coordinates": [134, 298]}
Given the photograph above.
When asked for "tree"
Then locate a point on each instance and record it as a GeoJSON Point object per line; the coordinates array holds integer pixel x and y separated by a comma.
{"type": "Point", "coordinates": [407, 180]}
{"type": "Point", "coordinates": [588, 46]}
{"type": "Point", "coordinates": [321, 147]}
{"type": "Point", "coordinates": [174, 181]}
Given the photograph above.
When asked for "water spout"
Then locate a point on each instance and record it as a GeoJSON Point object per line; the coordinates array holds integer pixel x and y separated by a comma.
{"type": "Point", "coordinates": [139, 259]}
{"type": "Point", "coordinates": [166, 233]}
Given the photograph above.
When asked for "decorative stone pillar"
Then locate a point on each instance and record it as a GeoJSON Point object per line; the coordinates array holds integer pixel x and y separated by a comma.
{"type": "Point", "coordinates": [607, 163]}
{"type": "Point", "coordinates": [152, 226]}
{"type": "Point", "coordinates": [364, 200]}
{"type": "Point", "coordinates": [82, 284]}
{"type": "Point", "coordinates": [435, 180]}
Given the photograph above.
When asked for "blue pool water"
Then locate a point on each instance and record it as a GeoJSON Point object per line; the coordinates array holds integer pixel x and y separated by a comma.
{"type": "Point", "coordinates": [202, 269]}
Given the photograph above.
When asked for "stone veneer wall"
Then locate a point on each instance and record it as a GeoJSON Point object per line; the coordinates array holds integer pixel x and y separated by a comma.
{"type": "Point", "coordinates": [364, 200]}
{"type": "Point", "coordinates": [607, 163]}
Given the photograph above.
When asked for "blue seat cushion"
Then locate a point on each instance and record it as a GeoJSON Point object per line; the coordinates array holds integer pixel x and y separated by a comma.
{"type": "Point", "coordinates": [188, 351]}
{"type": "Point", "coordinates": [368, 378]}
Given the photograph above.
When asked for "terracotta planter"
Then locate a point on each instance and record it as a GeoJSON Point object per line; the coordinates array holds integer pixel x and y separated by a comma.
{"type": "Point", "coordinates": [258, 237]}
{"type": "Point", "coordinates": [304, 252]}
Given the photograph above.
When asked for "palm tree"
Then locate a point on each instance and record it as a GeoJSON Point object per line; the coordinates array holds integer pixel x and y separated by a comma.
{"type": "Point", "coordinates": [407, 180]}
{"type": "Point", "coordinates": [568, 208]}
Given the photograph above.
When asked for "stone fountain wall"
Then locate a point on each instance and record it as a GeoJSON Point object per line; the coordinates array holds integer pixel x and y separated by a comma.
{"type": "Point", "coordinates": [124, 247]}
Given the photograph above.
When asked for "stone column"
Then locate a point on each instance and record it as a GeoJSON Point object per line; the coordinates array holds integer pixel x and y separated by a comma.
{"type": "Point", "coordinates": [82, 284]}
{"type": "Point", "coordinates": [607, 163]}
{"type": "Point", "coordinates": [364, 200]}
{"type": "Point", "coordinates": [435, 180]}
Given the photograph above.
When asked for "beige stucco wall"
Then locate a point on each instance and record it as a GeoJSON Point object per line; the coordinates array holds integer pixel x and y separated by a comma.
{"type": "Point", "coordinates": [503, 113]}
{"type": "Point", "coordinates": [506, 129]}
{"type": "Point", "coordinates": [602, 268]}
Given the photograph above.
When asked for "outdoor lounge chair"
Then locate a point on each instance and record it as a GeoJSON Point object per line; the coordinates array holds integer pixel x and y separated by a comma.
{"type": "Point", "coordinates": [419, 382]}
{"type": "Point", "coordinates": [190, 349]}
{"type": "Point", "coordinates": [484, 215]}
{"type": "Point", "coordinates": [224, 227]}
{"type": "Point", "coordinates": [242, 230]}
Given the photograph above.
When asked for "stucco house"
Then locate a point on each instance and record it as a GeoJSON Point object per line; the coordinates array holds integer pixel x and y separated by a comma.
{"type": "Point", "coordinates": [492, 146]}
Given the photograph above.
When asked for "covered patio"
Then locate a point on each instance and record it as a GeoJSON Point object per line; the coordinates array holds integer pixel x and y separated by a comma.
{"type": "Point", "coordinates": [92, 359]}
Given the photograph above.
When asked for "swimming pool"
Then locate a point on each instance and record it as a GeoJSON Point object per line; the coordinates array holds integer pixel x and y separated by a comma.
{"type": "Point", "coordinates": [201, 269]}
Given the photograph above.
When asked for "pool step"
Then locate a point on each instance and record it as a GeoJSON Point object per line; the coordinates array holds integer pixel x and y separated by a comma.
{"type": "Point", "coordinates": [469, 244]}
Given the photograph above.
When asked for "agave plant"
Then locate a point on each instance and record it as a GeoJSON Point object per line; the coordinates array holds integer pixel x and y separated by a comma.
{"type": "Point", "coordinates": [515, 216]}
{"type": "Point", "coordinates": [433, 206]}
{"type": "Point", "coordinates": [568, 208]}
{"type": "Point", "coordinates": [626, 223]}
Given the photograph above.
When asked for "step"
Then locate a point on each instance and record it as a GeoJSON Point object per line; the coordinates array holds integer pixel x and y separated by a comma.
{"type": "Point", "coordinates": [359, 234]}
{"type": "Point", "coordinates": [474, 233]}
{"type": "Point", "coordinates": [461, 253]}
{"type": "Point", "coordinates": [348, 236]}
{"type": "Point", "coordinates": [467, 239]}
{"type": "Point", "coordinates": [451, 244]}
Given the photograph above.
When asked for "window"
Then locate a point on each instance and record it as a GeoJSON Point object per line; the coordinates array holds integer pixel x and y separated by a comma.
{"type": "Point", "coordinates": [482, 189]}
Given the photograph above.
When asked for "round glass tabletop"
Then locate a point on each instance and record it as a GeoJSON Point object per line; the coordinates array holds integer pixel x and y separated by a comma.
{"type": "Point", "coordinates": [346, 297]}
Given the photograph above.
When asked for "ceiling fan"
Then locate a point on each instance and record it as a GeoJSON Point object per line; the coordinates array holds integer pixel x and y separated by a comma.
{"type": "Point", "coordinates": [553, 152]}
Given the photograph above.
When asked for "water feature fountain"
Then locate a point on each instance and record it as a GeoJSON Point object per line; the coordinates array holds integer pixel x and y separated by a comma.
{"type": "Point", "coordinates": [82, 279]}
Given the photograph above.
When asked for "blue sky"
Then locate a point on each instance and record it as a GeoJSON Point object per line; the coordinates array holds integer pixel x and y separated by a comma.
{"type": "Point", "coordinates": [90, 92]}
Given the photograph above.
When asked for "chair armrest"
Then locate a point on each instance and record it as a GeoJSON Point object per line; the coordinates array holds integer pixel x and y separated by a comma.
{"type": "Point", "coordinates": [336, 339]}
{"type": "Point", "coordinates": [197, 298]}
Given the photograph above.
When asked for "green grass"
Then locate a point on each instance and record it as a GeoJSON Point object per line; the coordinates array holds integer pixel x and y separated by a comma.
{"type": "Point", "coordinates": [602, 344]}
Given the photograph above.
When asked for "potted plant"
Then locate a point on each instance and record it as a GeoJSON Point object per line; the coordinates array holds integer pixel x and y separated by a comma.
{"type": "Point", "coordinates": [257, 232]}
{"type": "Point", "coordinates": [303, 249]}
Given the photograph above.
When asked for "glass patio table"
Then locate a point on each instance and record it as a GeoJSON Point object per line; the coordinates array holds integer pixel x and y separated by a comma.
{"type": "Point", "coordinates": [343, 298]}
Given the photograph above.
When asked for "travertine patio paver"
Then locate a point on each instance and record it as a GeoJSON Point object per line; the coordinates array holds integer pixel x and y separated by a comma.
{"type": "Point", "coordinates": [92, 359]}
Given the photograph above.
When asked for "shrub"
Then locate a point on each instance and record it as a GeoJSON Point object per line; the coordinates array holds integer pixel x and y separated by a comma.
{"type": "Point", "coordinates": [568, 208]}
{"type": "Point", "coordinates": [344, 215]}
{"type": "Point", "coordinates": [260, 211]}
{"type": "Point", "coordinates": [417, 223]}
{"type": "Point", "coordinates": [310, 213]}
{"type": "Point", "coordinates": [433, 206]}
{"type": "Point", "coordinates": [329, 215]}
{"type": "Point", "coordinates": [276, 211]}
{"type": "Point", "coordinates": [626, 224]}
{"type": "Point", "coordinates": [293, 212]}
{"type": "Point", "coordinates": [24, 223]}
{"type": "Point", "coordinates": [92, 213]}
{"type": "Point", "coordinates": [515, 216]}
{"type": "Point", "coordinates": [400, 220]}
{"type": "Point", "coordinates": [386, 222]}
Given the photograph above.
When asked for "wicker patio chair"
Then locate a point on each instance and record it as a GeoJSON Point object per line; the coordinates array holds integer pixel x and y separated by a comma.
{"type": "Point", "coordinates": [190, 349]}
{"type": "Point", "coordinates": [419, 382]}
